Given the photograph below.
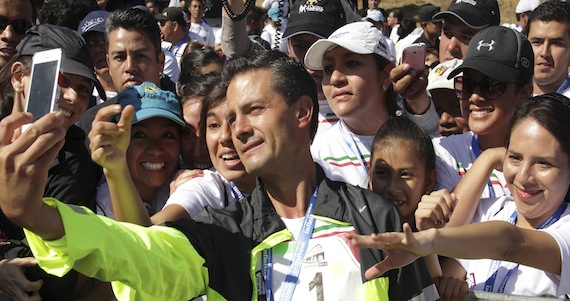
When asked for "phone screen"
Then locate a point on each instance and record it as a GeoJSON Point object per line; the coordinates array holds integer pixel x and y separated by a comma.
{"type": "Point", "coordinates": [43, 84]}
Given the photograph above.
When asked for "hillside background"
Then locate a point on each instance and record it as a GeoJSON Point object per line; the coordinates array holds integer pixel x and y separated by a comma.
{"type": "Point", "coordinates": [410, 7]}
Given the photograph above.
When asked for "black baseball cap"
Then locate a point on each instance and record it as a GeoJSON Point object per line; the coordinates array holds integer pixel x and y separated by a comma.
{"type": "Point", "coordinates": [426, 12]}
{"type": "Point", "coordinates": [501, 53]}
{"type": "Point", "coordinates": [476, 14]}
{"type": "Point", "coordinates": [172, 14]}
{"type": "Point", "coordinates": [76, 56]}
{"type": "Point", "coordinates": [319, 18]}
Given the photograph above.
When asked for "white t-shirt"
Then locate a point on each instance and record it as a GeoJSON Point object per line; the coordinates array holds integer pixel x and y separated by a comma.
{"type": "Point", "coordinates": [205, 31]}
{"type": "Point", "coordinates": [524, 280]}
{"type": "Point", "coordinates": [330, 266]}
{"type": "Point", "coordinates": [103, 199]}
{"type": "Point", "coordinates": [340, 162]}
{"type": "Point", "coordinates": [394, 37]}
{"type": "Point", "coordinates": [454, 156]}
{"type": "Point", "coordinates": [326, 117]}
{"type": "Point", "coordinates": [171, 65]}
{"type": "Point", "coordinates": [211, 189]}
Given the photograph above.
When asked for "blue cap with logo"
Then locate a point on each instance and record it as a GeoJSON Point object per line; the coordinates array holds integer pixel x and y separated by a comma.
{"type": "Point", "coordinates": [94, 21]}
{"type": "Point", "coordinates": [150, 101]}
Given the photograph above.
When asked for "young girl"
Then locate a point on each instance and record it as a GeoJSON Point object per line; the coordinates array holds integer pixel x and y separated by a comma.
{"type": "Point", "coordinates": [356, 62]}
{"type": "Point", "coordinates": [526, 235]}
{"type": "Point", "coordinates": [402, 165]}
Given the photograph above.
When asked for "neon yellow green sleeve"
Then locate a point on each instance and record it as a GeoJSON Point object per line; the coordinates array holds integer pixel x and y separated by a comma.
{"type": "Point", "coordinates": [156, 263]}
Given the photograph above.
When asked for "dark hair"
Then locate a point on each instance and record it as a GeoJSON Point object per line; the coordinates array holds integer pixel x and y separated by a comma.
{"type": "Point", "coordinates": [552, 10]}
{"type": "Point", "coordinates": [199, 86]}
{"type": "Point", "coordinates": [391, 97]}
{"type": "Point", "coordinates": [414, 138]}
{"type": "Point", "coordinates": [194, 61]}
{"type": "Point", "coordinates": [289, 77]}
{"type": "Point", "coordinates": [212, 100]}
{"type": "Point", "coordinates": [406, 27]}
{"type": "Point", "coordinates": [66, 13]}
{"type": "Point", "coordinates": [135, 19]}
{"type": "Point", "coordinates": [6, 88]}
{"type": "Point", "coordinates": [397, 13]}
{"type": "Point", "coordinates": [551, 111]}
{"type": "Point", "coordinates": [255, 13]}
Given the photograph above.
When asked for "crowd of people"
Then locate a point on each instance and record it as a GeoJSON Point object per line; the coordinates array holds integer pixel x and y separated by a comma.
{"type": "Point", "coordinates": [292, 154]}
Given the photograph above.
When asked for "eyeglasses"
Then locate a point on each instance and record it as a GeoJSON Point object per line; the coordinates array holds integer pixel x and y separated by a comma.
{"type": "Point", "coordinates": [489, 88]}
{"type": "Point", "coordinates": [20, 25]}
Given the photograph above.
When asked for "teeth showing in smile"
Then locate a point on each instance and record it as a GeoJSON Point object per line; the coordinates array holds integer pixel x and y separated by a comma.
{"type": "Point", "coordinates": [480, 112]}
{"type": "Point", "coordinates": [153, 166]}
{"type": "Point", "coordinates": [230, 156]}
{"type": "Point", "coordinates": [65, 112]}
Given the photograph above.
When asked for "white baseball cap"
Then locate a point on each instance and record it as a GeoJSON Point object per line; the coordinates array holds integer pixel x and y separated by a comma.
{"type": "Point", "coordinates": [358, 37]}
{"type": "Point", "coordinates": [374, 15]}
{"type": "Point", "coordinates": [526, 5]}
{"type": "Point", "coordinates": [437, 78]}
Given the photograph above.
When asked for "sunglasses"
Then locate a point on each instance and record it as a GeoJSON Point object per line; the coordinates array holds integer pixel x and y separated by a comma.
{"type": "Point", "coordinates": [20, 26]}
{"type": "Point", "coordinates": [489, 88]}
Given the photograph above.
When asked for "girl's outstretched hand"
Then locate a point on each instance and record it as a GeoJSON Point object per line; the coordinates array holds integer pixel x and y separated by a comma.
{"type": "Point", "coordinates": [401, 248]}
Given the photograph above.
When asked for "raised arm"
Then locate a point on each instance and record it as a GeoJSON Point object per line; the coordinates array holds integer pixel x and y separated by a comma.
{"type": "Point", "coordinates": [417, 104]}
{"type": "Point", "coordinates": [235, 40]}
{"type": "Point", "coordinates": [468, 191]}
{"type": "Point", "coordinates": [24, 164]}
{"type": "Point", "coordinates": [495, 240]}
{"type": "Point", "coordinates": [109, 144]}
{"type": "Point", "coordinates": [435, 209]}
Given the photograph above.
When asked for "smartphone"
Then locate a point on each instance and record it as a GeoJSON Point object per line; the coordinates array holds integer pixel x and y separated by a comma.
{"type": "Point", "coordinates": [43, 90]}
{"type": "Point", "coordinates": [415, 56]}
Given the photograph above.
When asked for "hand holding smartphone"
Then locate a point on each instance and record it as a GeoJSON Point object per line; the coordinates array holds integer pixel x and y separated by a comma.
{"type": "Point", "coordinates": [415, 56]}
{"type": "Point", "coordinates": [43, 90]}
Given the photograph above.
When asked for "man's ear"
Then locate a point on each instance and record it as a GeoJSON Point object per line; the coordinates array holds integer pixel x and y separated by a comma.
{"type": "Point", "coordinates": [305, 110]}
{"type": "Point", "coordinates": [18, 71]}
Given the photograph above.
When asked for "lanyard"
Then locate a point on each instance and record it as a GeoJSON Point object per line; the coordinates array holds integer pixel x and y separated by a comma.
{"type": "Point", "coordinates": [175, 49]}
{"type": "Point", "coordinates": [564, 85]}
{"type": "Point", "coordinates": [238, 195]}
{"type": "Point", "coordinates": [298, 256]}
{"type": "Point", "coordinates": [477, 152]}
{"type": "Point", "coordinates": [490, 283]}
{"type": "Point", "coordinates": [349, 140]}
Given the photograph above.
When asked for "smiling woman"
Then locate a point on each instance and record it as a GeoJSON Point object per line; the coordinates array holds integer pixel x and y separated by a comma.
{"type": "Point", "coordinates": [493, 85]}
{"type": "Point", "coordinates": [139, 153]}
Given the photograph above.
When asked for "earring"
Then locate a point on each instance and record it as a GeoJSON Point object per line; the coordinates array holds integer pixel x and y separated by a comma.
{"type": "Point", "coordinates": [18, 89]}
{"type": "Point", "coordinates": [384, 88]}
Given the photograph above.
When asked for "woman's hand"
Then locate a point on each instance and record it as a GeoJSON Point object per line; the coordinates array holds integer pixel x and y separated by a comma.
{"type": "Point", "coordinates": [435, 209]}
{"type": "Point", "coordinates": [401, 248]}
{"type": "Point", "coordinates": [182, 176]}
{"type": "Point", "coordinates": [108, 140]}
